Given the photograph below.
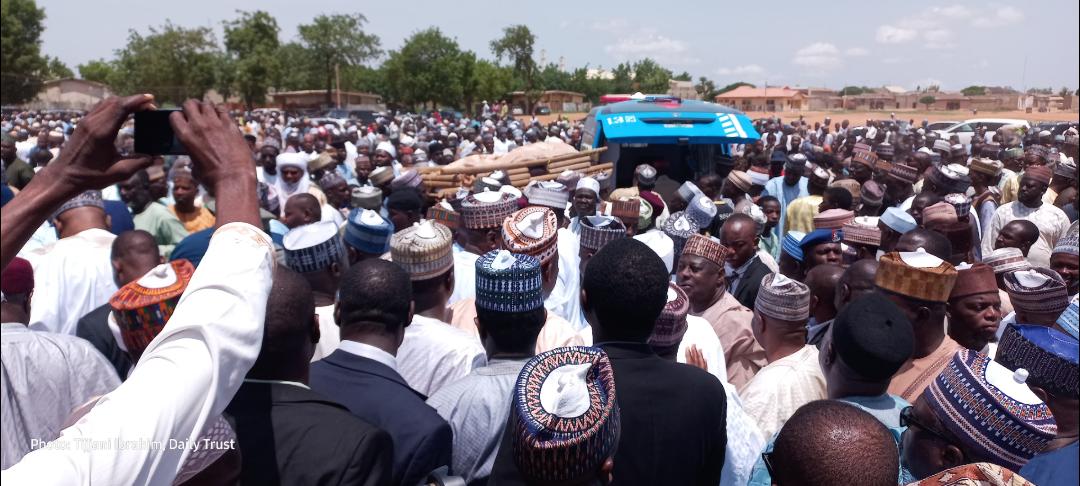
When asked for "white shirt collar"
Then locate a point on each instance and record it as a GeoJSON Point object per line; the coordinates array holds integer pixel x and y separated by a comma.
{"type": "Point", "coordinates": [283, 382]}
{"type": "Point", "coordinates": [369, 351]}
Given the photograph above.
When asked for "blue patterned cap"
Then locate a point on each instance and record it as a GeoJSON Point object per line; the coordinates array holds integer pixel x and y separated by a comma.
{"type": "Point", "coordinates": [508, 282]}
{"type": "Point", "coordinates": [990, 409]}
{"type": "Point", "coordinates": [820, 236]}
{"type": "Point", "coordinates": [368, 232]}
{"type": "Point", "coordinates": [565, 417]}
{"type": "Point", "coordinates": [1049, 356]}
{"type": "Point", "coordinates": [791, 242]}
{"type": "Point", "coordinates": [313, 247]}
{"type": "Point", "coordinates": [90, 198]}
{"type": "Point", "coordinates": [1068, 319]}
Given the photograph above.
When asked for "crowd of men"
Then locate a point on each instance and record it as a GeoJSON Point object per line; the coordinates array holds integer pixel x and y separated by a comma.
{"type": "Point", "coordinates": [289, 304]}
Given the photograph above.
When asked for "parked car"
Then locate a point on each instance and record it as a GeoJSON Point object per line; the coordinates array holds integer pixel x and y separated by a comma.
{"type": "Point", "coordinates": [966, 129]}
{"type": "Point", "coordinates": [542, 110]}
{"type": "Point", "coordinates": [940, 125]}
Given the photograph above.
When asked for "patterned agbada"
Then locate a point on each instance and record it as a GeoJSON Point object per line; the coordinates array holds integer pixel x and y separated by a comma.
{"type": "Point", "coordinates": [565, 416]}
{"type": "Point", "coordinates": [143, 307]}
{"type": "Point", "coordinates": [800, 214]}
{"type": "Point", "coordinates": [976, 474]}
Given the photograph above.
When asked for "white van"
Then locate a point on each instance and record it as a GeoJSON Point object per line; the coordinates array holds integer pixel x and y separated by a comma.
{"type": "Point", "coordinates": [966, 129]}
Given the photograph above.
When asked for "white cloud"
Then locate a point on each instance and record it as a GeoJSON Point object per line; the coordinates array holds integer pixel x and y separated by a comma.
{"type": "Point", "coordinates": [818, 57]}
{"type": "Point", "coordinates": [951, 11]}
{"type": "Point", "coordinates": [650, 45]}
{"type": "Point", "coordinates": [856, 52]}
{"type": "Point", "coordinates": [938, 39]}
{"type": "Point", "coordinates": [888, 34]}
{"type": "Point", "coordinates": [1002, 16]}
{"type": "Point", "coordinates": [747, 70]}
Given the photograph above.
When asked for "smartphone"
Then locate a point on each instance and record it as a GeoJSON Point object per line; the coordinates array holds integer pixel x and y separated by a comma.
{"type": "Point", "coordinates": [154, 134]}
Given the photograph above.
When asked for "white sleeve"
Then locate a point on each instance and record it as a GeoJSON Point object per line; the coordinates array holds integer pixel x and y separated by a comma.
{"type": "Point", "coordinates": [187, 375]}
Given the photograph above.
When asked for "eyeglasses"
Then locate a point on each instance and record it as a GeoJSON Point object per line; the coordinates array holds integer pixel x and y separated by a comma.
{"type": "Point", "coordinates": [907, 419]}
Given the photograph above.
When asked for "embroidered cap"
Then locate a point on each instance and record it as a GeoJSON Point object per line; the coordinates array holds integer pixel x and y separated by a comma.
{"type": "Point", "coordinates": [1037, 290]}
{"type": "Point", "coordinates": [487, 209]}
{"type": "Point", "coordinates": [313, 247]}
{"type": "Point", "coordinates": [782, 298]}
{"type": "Point", "coordinates": [917, 275]}
{"type": "Point", "coordinates": [368, 232]}
{"type": "Point", "coordinates": [1005, 260]}
{"type": "Point", "coordinates": [1049, 356]}
{"type": "Point", "coordinates": [508, 282]}
{"type": "Point", "coordinates": [143, 307]}
{"type": "Point", "coordinates": [671, 324]}
{"type": "Point", "coordinates": [423, 250]}
{"type": "Point", "coordinates": [706, 247]}
{"type": "Point", "coordinates": [532, 231]}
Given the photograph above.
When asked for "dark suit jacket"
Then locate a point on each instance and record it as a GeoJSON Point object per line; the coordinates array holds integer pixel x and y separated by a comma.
{"type": "Point", "coordinates": [376, 393]}
{"type": "Point", "coordinates": [292, 435]}
{"type": "Point", "coordinates": [749, 284]}
{"type": "Point", "coordinates": [674, 425]}
{"type": "Point", "coordinates": [94, 327]}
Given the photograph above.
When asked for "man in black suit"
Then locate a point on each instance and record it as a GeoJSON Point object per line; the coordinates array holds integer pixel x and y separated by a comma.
{"type": "Point", "coordinates": [673, 415]}
{"type": "Point", "coordinates": [744, 269]}
{"type": "Point", "coordinates": [288, 434]}
{"type": "Point", "coordinates": [374, 306]}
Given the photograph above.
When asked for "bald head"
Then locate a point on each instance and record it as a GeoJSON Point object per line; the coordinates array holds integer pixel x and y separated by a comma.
{"type": "Point", "coordinates": [739, 234]}
{"type": "Point", "coordinates": [134, 253]}
{"type": "Point", "coordinates": [1018, 233]}
{"type": "Point", "coordinates": [302, 209]}
{"type": "Point", "coordinates": [291, 329]}
{"type": "Point", "coordinates": [822, 280]}
{"type": "Point", "coordinates": [828, 442]}
{"type": "Point", "coordinates": [933, 242]}
{"type": "Point", "coordinates": [857, 280]}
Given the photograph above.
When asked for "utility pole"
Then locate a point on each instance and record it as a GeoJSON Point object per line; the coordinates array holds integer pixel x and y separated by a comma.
{"type": "Point", "coordinates": [337, 82]}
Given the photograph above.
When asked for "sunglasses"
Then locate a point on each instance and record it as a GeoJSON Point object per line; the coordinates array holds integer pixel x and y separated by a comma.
{"type": "Point", "coordinates": [907, 419]}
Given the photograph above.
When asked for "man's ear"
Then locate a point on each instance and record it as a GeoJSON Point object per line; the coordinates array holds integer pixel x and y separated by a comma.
{"type": "Point", "coordinates": [337, 314]}
{"type": "Point", "coordinates": [315, 333]}
{"type": "Point", "coordinates": [606, 469]}
{"type": "Point", "coordinates": [59, 226]}
{"type": "Point", "coordinates": [1039, 392]}
{"type": "Point", "coordinates": [814, 302]}
{"type": "Point", "coordinates": [449, 282]}
{"type": "Point", "coordinates": [951, 456]}
{"type": "Point", "coordinates": [335, 270]}
{"type": "Point", "coordinates": [494, 239]}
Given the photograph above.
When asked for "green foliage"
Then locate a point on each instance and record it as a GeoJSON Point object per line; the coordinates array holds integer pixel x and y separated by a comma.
{"type": "Point", "coordinates": [303, 71]}
{"type": "Point", "coordinates": [175, 63]}
{"type": "Point", "coordinates": [486, 81]}
{"type": "Point", "coordinates": [973, 91]}
{"type": "Point", "coordinates": [56, 69]}
{"type": "Point", "coordinates": [732, 86]}
{"type": "Point", "coordinates": [98, 70]}
{"type": "Point", "coordinates": [427, 68]}
{"type": "Point", "coordinates": [516, 44]}
{"type": "Point", "coordinates": [251, 62]}
{"type": "Point", "coordinates": [22, 67]}
{"type": "Point", "coordinates": [854, 90]}
{"type": "Point", "coordinates": [927, 101]}
{"type": "Point", "coordinates": [650, 77]}
{"type": "Point", "coordinates": [683, 76]}
{"type": "Point", "coordinates": [338, 40]}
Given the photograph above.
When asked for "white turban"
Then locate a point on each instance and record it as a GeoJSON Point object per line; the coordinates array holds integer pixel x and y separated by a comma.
{"type": "Point", "coordinates": [293, 159]}
{"type": "Point", "coordinates": [388, 148]}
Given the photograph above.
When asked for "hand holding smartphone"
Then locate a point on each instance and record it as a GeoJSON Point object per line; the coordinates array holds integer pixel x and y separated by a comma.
{"type": "Point", "coordinates": [154, 134]}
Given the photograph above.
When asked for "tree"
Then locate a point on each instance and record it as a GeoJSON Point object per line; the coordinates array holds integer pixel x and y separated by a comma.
{"type": "Point", "coordinates": [516, 44]}
{"type": "Point", "coordinates": [851, 91]}
{"type": "Point", "coordinates": [1063, 92]}
{"type": "Point", "coordinates": [706, 88]}
{"type": "Point", "coordinates": [927, 101]}
{"type": "Point", "coordinates": [486, 80]}
{"type": "Point", "coordinates": [683, 76]}
{"type": "Point", "coordinates": [56, 69]}
{"type": "Point", "coordinates": [732, 86]}
{"type": "Point", "coordinates": [251, 45]}
{"type": "Point", "coordinates": [651, 77]}
{"type": "Point", "coordinates": [623, 78]}
{"type": "Point", "coordinates": [338, 41]}
{"type": "Point", "coordinates": [304, 71]}
{"type": "Point", "coordinates": [551, 77]}
{"type": "Point", "coordinates": [98, 70]}
{"type": "Point", "coordinates": [428, 67]}
{"type": "Point", "coordinates": [22, 67]}
{"type": "Point", "coordinates": [173, 62]}
{"type": "Point", "coordinates": [973, 91]}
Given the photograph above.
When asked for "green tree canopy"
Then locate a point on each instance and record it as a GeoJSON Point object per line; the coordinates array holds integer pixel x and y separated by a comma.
{"type": "Point", "coordinates": [732, 86]}
{"type": "Point", "coordinates": [252, 61]}
{"type": "Point", "coordinates": [683, 76]}
{"type": "Point", "coordinates": [973, 91]}
{"type": "Point", "coordinates": [651, 77]}
{"type": "Point", "coordinates": [56, 69]}
{"type": "Point", "coordinates": [97, 70]}
{"type": "Point", "coordinates": [516, 44]}
{"type": "Point", "coordinates": [303, 71]}
{"type": "Point", "coordinates": [175, 63]}
{"type": "Point", "coordinates": [428, 67]}
{"type": "Point", "coordinates": [927, 101]}
{"type": "Point", "coordinates": [22, 67]}
{"type": "Point", "coordinates": [338, 41]}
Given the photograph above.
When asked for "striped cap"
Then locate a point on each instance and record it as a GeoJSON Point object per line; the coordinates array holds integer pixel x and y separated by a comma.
{"type": "Point", "coordinates": [565, 417]}
{"type": "Point", "coordinates": [904, 173]}
{"type": "Point", "coordinates": [833, 218]}
{"type": "Point", "coordinates": [143, 307]}
{"type": "Point", "coordinates": [862, 231]}
{"type": "Point", "coordinates": [990, 409]}
{"type": "Point", "coordinates": [986, 166]}
{"type": "Point", "coordinates": [367, 197]}
{"type": "Point", "coordinates": [671, 325]}
{"type": "Point", "coordinates": [1005, 260]}
{"type": "Point", "coordinates": [381, 175]}
{"type": "Point", "coordinates": [1037, 290]}
{"type": "Point", "coordinates": [313, 247]}
{"type": "Point", "coordinates": [792, 244]}
{"type": "Point", "coordinates": [423, 250]}
{"type": "Point", "coordinates": [508, 282]}
{"type": "Point", "coordinates": [368, 232]}
{"type": "Point", "coordinates": [917, 275]}
{"type": "Point", "coordinates": [939, 214]}
{"type": "Point", "coordinates": [706, 247]}
{"type": "Point", "coordinates": [1049, 356]}
{"type": "Point", "coordinates": [532, 231]}
{"type": "Point", "coordinates": [782, 298]}
{"type": "Point", "coordinates": [444, 214]}
{"type": "Point", "coordinates": [547, 193]}
{"type": "Point", "coordinates": [487, 209]}
{"type": "Point", "coordinates": [597, 231]}
{"type": "Point", "coordinates": [409, 178]}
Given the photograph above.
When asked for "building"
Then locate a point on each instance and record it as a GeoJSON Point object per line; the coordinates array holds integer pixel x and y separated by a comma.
{"type": "Point", "coordinates": [878, 99]}
{"type": "Point", "coordinates": [70, 94]}
{"type": "Point", "coordinates": [764, 99]}
{"type": "Point", "coordinates": [558, 101]}
{"type": "Point", "coordinates": [822, 99]}
{"type": "Point", "coordinates": [683, 89]}
{"type": "Point", "coordinates": [316, 99]}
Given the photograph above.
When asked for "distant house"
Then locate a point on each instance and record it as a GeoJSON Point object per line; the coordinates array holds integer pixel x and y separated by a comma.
{"type": "Point", "coordinates": [878, 99]}
{"type": "Point", "coordinates": [316, 99]}
{"type": "Point", "coordinates": [70, 94]}
{"type": "Point", "coordinates": [821, 99]}
{"type": "Point", "coordinates": [558, 101]}
{"type": "Point", "coordinates": [683, 89]}
{"type": "Point", "coordinates": [767, 99]}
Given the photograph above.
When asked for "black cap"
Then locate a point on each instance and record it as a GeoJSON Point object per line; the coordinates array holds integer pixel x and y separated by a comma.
{"type": "Point", "coordinates": [873, 337]}
{"type": "Point", "coordinates": [404, 199]}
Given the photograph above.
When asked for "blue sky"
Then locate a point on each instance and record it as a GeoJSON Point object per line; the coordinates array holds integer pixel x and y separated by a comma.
{"type": "Point", "coordinates": [829, 44]}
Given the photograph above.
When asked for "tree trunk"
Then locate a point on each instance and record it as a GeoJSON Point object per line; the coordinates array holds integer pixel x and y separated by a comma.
{"type": "Point", "coordinates": [329, 83]}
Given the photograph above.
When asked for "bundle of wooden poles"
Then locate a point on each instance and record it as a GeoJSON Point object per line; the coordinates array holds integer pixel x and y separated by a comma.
{"type": "Point", "coordinates": [444, 181]}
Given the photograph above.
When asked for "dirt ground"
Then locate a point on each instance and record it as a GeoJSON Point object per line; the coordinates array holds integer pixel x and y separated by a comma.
{"type": "Point", "coordinates": [860, 117]}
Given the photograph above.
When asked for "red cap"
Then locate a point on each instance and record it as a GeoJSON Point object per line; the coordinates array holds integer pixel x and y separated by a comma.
{"type": "Point", "coordinates": [17, 277]}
